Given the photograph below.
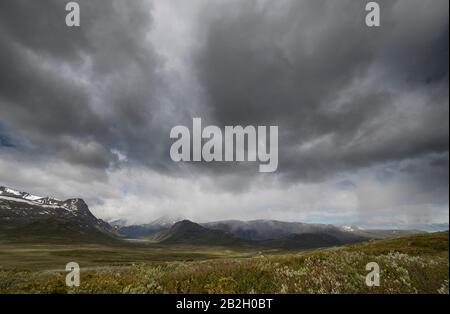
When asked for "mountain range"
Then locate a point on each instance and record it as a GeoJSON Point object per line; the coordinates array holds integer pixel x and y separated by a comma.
{"type": "Point", "coordinates": [26, 217]}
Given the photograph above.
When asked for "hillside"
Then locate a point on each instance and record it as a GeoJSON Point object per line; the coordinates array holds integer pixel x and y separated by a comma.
{"type": "Point", "coordinates": [302, 241]}
{"type": "Point", "coordinates": [188, 232]}
{"type": "Point", "coordinates": [25, 217]}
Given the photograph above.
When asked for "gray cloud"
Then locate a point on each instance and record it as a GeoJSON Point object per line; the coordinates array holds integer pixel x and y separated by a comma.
{"type": "Point", "coordinates": [335, 87]}
{"type": "Point", "coordinates": [96, 84]}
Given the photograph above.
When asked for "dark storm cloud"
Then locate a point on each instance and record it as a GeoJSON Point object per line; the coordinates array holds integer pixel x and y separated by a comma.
{"type": "Point", "coordinates": [344, 96]}
{"type": "Point", "coordinates": [80, 92]}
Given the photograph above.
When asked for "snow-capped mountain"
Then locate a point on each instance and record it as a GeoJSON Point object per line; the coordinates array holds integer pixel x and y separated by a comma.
{"type": "Point", "coordinates": [145, 230]}
{"type": "Point", "coordinates": [15, 204]}
{"type": "Point", "coordinates": [167, 221]}
{"type": "Point", "coordinates": [21, 212]}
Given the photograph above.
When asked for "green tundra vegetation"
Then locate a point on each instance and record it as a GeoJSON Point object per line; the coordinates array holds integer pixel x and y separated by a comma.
{"type": "Point", "coordinates": [408, 264]}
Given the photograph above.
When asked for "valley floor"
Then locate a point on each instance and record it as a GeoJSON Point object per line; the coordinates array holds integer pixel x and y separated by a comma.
{"type": "Point", "coordinates": [410, 264]}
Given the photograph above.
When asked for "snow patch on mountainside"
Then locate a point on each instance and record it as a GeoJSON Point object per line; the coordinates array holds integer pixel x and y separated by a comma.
{"type": "Point", "coordinates": [8, 190]}
{"type": "Point", "coordinates": [15, 199]}
{"type": "Point", "coordinates": [30, 199]}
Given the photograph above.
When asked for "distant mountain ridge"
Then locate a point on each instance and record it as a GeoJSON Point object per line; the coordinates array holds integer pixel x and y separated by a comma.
{"type": "Point", "coordinates": [188, 232]}
{"type": "Point", "coordinates": [270, 232]}
{"type": "Point", "coordinates": [261, 230]}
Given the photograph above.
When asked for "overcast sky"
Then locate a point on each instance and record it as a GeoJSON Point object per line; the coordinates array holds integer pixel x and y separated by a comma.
{"type": "Point", "coordinates": [363, 113]}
